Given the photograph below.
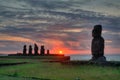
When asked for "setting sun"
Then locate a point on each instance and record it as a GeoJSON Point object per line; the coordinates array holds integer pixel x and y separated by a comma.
{"type": "Point", "coordinates": [60, 52]}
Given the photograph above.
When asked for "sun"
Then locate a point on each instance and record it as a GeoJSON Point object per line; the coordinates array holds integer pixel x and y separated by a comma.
{"type": "Point", "coordinates": [60, 52]}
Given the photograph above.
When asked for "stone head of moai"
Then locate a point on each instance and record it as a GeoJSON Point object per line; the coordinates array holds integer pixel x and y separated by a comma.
{"type": "Point", "coordinates": [97, 30]}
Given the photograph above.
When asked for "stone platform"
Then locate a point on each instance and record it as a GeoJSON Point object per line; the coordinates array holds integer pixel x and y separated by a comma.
{"type": "Point", "coordinates": [106, 63]}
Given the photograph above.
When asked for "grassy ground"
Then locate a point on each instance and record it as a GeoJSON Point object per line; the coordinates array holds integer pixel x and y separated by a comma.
{"type": "Point", "coordinates": [56, 71]}
{"type": "Point", "coordinates": [8, 77]}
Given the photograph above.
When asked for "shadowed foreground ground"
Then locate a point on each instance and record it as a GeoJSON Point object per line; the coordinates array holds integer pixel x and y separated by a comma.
{"type": "Point", "coordinates": [36, 69]}
{"type": "Point", "coordinates": [10, 77]}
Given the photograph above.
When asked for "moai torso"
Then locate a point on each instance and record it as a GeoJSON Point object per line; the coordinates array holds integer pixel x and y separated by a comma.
{"type": "Point", "coordinates": [35, 49]}
{"type": "Point", "coordinates": [98, 47]}
{"type": "Point", "coordinates": [30, 50]}
{"type": "Point", "coordinates": [24, 50]}
{"type": "Point", "coordinates": [42, 50]}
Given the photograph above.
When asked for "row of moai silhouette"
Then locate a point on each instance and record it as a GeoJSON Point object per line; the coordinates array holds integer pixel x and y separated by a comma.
{"type": "Point", "coordinates": [36, 48]}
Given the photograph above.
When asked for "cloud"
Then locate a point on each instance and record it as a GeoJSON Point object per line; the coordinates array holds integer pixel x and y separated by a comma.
{"type": "Point", "coordinates": [67, 22]}
{"type": "Point", "coordinates": [13, 38]}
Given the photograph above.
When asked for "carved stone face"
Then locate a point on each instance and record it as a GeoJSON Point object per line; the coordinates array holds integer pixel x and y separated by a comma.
{"type": "Point", "coordinates": [96, 32]}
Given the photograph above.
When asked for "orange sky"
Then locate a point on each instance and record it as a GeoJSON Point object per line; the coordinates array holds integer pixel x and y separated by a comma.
{"type": "Point", "coordinates": [55, 46]}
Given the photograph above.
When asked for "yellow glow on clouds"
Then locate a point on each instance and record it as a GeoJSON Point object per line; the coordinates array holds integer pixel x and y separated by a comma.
{"type": "Point", "coordinates": [73, 30]}
{"type": "Point", "coordinates": [14, 38]}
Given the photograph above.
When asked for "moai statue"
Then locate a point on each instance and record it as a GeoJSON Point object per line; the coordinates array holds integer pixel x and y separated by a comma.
{"type": "Point", "coordinates": [30, 50]}
{"type": "Point", "coordinates": [35, 49]}
{"type": "Point", "coordinates": [42, 50]}
{"type": "Point", "coordinates": [48, 52]}
{"type": "Point", "coordinates": [97, 47]}
{"type": "Point", "coordinates": [24, 50]}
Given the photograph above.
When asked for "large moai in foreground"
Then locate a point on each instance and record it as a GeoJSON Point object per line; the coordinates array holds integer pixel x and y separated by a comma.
{"type": "Point", "coordinates": [97, 47]}
{"type": "Point", "coordinates": [42, 50]}
{"type": "Point", "coordinates": [24, 50]}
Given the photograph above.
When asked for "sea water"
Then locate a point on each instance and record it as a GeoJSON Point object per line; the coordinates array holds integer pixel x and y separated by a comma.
{"type": "Point", "coordinates": [109, 57]}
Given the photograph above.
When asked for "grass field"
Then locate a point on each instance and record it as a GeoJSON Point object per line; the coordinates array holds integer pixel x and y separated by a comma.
{"type": "Point", "coordinates": [36, 69]}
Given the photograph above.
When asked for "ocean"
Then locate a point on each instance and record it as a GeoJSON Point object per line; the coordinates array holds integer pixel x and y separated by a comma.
{"type": "Point", "coordinates": [109, 57]}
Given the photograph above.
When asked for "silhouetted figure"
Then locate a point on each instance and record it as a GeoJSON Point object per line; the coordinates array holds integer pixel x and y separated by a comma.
{"type": "Point", "coordinates": [30, 50]}
{"type": "Point", "coordinates": [42, 50]}
{"type": "Point", "coordinates": [97, 47]}
{"type": "Point", "coordinates": [35, 49]}
{"type": "Point", "coordinates": [24, 50]}
{"type": "Point", "coordinates": [48, 52]}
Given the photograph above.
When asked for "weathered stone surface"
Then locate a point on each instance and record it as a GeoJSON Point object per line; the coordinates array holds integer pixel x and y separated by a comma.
{"type": "Point", "coordinates": [97, 47]}
{"type": "Point", "coordinates": [99, 59]}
